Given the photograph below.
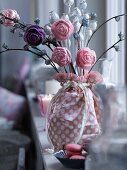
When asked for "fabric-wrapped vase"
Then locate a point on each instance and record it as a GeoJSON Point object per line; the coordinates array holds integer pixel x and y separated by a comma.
{"type": "Point", "coordinates": [72, 114]}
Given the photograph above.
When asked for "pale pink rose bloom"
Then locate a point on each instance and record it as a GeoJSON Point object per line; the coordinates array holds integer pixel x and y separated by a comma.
{"type": "Point", "coordinates": [62, 29]}
{"type": "Point", "coordinates": [85, 58]}
{"type": "Point", "coordinates": [94, 77]}
{"type": "Point", "coordinates": [10, 14]}
{"type": "Point", "coordinates": [61, 56]}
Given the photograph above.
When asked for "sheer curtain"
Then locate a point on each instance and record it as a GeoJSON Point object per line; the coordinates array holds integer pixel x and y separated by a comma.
{"type": "Point", "coordinates": [116, 7]}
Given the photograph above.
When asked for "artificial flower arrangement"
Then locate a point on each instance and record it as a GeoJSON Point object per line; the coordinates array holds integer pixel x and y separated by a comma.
{"type": "Point", "coordinates": [74, 113]}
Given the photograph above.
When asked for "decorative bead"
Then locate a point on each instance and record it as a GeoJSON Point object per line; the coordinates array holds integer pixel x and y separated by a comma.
{"type": "Point", "coordinates": [76, 36]}
{"type": "Point", "coordinates": [26, 47]}
{"type": "Point", "coordinates": [13, 30]}
{"type": "Point", "coordinates": [89, 32]}
{"type": "Point", "coordinates": [86, 16]}
{"type": "Point", "coordinates": [65, 16]}
{"type": "Point", "coordinates": [47, 62]}
{"type": "Point", "coordinates": [53, 16]}
{"type": "Point", "coordinates": [74, 19]}
{"type": "Point", "coordinates": [93, 25]}
{"type": "Point", "coordinates": [21, 34]}
{"type": "Point", "coordinates": [117, 19]}
{"type": "Point", "coordinates": [68, 2]}
{"type": "Point", "coordinates": [83, 6]}
{"type": "Point", "coordinates": [77, 26]}
{"type": "Point", "coordinates": [2, 20]}
{"type": "Point", "coordinates": [44, 52]}
{"type": "Point", "coordinates": [121, 36]}
{"type": "Point", "coordinates": [15, 20]}
{"type": "Point", "coordinates": [76, 12]}
{"type": "Point", "coordinates": [85, 22]}
{"type": "Point", "coordinates": [117, 48]}
{"type": "Point", "coordinates": [93, 16]}
{"type": "Point", "coordinates": [5, 46]}
{"type": "Point", "coordinates": [47, 29]}
{"type": "Point", "coordinates": [81, 37]}
{"type": "Point", "coordinates": [37, 21]}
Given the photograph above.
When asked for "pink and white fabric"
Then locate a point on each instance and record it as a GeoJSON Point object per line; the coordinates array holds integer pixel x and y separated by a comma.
{"type": "Point", "coordinates": [72, 115]}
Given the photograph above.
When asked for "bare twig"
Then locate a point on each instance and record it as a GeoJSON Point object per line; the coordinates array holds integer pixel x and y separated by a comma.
{"type": "Point", "coordinates": [102, 25]}
{"type": "Point", "coordinates": [28, 50]}
{"type": "Point", "coordinates": [106, 52]}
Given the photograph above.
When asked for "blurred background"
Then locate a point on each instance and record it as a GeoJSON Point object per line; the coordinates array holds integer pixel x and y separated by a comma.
{"type": "Point", "coordinates": [17, 66]}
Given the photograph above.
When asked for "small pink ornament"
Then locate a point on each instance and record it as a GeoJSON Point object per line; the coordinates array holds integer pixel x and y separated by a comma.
{"type": "Point", "coordinates": [94, 77]}
{"type": "Point", "coordinates": [61, 56]}
{"type": "Point", "coordinates": [62, 29]}
{"type": "Point", "coordinates": [60, 77]}
{"type": "Point", "coordinates": [85, 58]}
{"type": "Point", "coordinates": [12, 14]}
{"type": "Point", "coordinates": [64, 77]}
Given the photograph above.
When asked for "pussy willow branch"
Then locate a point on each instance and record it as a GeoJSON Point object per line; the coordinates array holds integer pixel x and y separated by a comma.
{"type": "Point", "coordinates": [20, 49]}
{"type": "Point", "coordinates": [102, 25]}
{"type": "Point", "coordinates": [23, 26]}
{"type": "Point", "coordinates": [106, 52]}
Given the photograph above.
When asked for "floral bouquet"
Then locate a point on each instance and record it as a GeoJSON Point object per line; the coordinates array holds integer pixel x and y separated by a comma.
{"type": "Point", "coordinates": [75, 111]}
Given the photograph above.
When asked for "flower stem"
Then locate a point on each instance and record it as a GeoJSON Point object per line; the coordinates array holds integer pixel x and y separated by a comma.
{"type": "Point", "coordinates": [49, 47]}
{"type": "Point", "coordinates": [80, 28]}
{"type": "Point", "coordinates": [52, 63]}
{"type": "Point", "coordinates": [72, 67]}
{"type": "Point", "coordinates": [102, 25]}
{"type": "Point", "coordinates": [106, 52]}
{"type": "Point", "coordinates": [28, 50]}
{"type": "Point", "coordinates": [65, 69]}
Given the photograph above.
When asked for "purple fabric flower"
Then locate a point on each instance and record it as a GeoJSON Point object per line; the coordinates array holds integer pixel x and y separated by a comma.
{"type": "Point", "coordinates": [34, 35]}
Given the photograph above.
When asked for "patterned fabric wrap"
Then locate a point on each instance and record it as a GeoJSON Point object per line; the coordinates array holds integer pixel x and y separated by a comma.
{"type": "Point", "coordinates": [71, 115]}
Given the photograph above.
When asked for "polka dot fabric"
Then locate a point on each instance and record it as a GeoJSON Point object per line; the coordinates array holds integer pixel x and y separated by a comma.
{"type": "Point", "coordinates": [71, 114]}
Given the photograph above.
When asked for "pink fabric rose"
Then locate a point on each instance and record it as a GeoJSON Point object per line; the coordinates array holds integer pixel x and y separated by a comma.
{"type": "Point", "coordinates": [94, 77]}
{"type": "Point", "coordinates": [61, 56]}
{"type": "Point", "coordinates": [12, 14]}
{"type": "Point", "coordinates": [62, 29]}
{"type": "Point", "coordinates": [85, 58]}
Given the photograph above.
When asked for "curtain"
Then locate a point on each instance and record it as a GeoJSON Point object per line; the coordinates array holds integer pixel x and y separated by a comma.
{"type": "Point", "coordinates": [116, 7]}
